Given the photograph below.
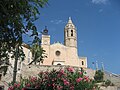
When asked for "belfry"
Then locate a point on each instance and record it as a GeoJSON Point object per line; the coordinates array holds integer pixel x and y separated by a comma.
{"type": "Point", "coordinates": [63, 54]}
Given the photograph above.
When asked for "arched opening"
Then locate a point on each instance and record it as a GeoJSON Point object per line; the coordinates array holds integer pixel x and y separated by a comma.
{"type": "Point", "coordinates": [58, 64]}
{"type": "Point", "coordinates": [82, 62]}
{"type": "Point", "coordinates": [71, 32]}
{"type": "Point", "coordinates": [67, 33]}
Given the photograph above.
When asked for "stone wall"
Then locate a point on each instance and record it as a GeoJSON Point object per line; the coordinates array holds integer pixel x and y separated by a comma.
{"type": "Point", "coordinates": [109, 88]}
{"type": "Point", "coordinates": [114, 78]}
{"type": "Point", "coordinates": [33, 70]}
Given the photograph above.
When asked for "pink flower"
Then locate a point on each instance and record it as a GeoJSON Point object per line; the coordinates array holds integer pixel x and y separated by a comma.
{"type": "Point", "coordinates": [79, 79]}
{"type": "Point", "coordinates": [33, 79]}
{"type": "Point", "coordinates": [80, 73]}
{"type": "Point", "coordinates": [49, 85]}
{"type": "Point", "coordinates": [46, 72]}
{"type": "Point", "coordinates": [66, 82]}
{"type": "Point", "coordinates": [53, 80]}
{"type": "Point", "coordinates": [59, 87]}
{"type": "Point", "coordinates": [18, 85]}
{"type": "Point", "coordinates": [46, 77]}
{"type": "Point", "coordinates": [61, 71]}
{"type": "Point", "coordinates": [72, 88]}
{"type": "Point", "coordinates": [28, 85]}
{"type": "Point", "coordinates": [70, 69]}
{"type": "Point", "coordinates": [11, 88]}
{"type": "Point", "coordinates": [23, 88]}
{"type": "Point", "coordinates": [37, 86]}
{"type": "Point", "coordinates": [86, 78]}
{"type": "Point", "coordinates": [53, 84]}
{"type": "Point", "coordinates": [15, 84]}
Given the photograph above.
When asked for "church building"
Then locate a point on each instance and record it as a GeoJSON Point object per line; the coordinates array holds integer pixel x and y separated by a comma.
{"type": "Point", "coordinates": [63, 54]}
{"type": "Point", "coordinates": [57, 54]}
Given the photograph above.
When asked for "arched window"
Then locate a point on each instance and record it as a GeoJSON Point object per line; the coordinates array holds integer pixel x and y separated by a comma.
{"type": "Point", "coordinates": [67, 33]}
{"type": "Point", "coordinates": [82, 62]}
{"type": "Point", "coordinates": [71, 32]}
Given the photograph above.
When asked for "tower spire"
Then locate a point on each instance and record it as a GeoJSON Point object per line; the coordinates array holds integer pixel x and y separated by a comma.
{"type": "Point", "coordinates": [70, 36]}
{"type": "Point", "coordinates": [45, 31]}
{"type": "Point", "coordinates": [70, 20]}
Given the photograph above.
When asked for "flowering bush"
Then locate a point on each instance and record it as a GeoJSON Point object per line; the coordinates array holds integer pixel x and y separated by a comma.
{"type": "Point", "coordinates": [63, 79]}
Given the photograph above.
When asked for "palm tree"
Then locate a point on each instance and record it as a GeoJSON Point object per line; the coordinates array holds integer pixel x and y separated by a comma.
{"type": "Point", "coordinates": [38, 54]}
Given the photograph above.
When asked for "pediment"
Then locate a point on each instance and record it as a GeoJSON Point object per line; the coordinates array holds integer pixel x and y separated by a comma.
{"type": "Point", "coordinates": [58, 45]}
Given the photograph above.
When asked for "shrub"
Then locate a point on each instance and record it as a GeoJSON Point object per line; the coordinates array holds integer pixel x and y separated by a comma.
{"type": "Point", "coordinates": [107, 82]}
{"type": "Point", "coordinates": [67, 79]}
{"type": "Point", "coordinates": [99, 76]}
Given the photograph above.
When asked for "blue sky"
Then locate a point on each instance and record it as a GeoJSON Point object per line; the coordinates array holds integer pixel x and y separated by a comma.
{"type": "Point", "coordinates": [98, 28]}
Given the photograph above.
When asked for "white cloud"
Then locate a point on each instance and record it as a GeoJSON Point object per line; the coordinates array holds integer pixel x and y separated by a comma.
{"type": "Point", "coordinates": [100, 1]}
{"type": "Point", "coordinates": [57, 21]}
{"type": "Point", "coordinates": [52, 21]}
{"type": "Point", "coordinates": [100, 10]}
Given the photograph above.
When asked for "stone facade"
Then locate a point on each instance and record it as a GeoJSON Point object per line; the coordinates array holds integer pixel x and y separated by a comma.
{"type": "Point", "coordinates": [63, 54]}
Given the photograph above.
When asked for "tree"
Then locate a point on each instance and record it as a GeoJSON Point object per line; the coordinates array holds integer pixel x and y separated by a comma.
{"type": "Point", "coordinates": [99, 75]}
{"type": "Point", "coordinates": [17, 18]}
{"type": "Point", "coordinates": [37, 52]}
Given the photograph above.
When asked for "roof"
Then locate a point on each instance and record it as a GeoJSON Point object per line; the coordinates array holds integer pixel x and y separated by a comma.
{"type": "Point", "coordinates": [58, 44]}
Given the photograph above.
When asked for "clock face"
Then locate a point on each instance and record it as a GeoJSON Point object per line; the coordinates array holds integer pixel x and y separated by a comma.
{"type": "Point", "coordinates": [45, 42]}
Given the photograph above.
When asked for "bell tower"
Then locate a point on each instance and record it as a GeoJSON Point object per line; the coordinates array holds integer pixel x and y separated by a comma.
{"type": "Point", "coordinates": [70, 34]}
{"type": "Point", "coordinates": [45, 37]}
{"type": "Point", "coordinates": [45, 42]}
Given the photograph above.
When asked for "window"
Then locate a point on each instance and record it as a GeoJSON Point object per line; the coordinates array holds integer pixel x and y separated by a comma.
{"type": "Point", "coordinates": [82, 62]}
{"type": "Point", "coordinates": [71, 32]}
{"type": "Point", "coordinates": [67, 33]}
{"type": "Point", "coordinates": [57, 53]}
